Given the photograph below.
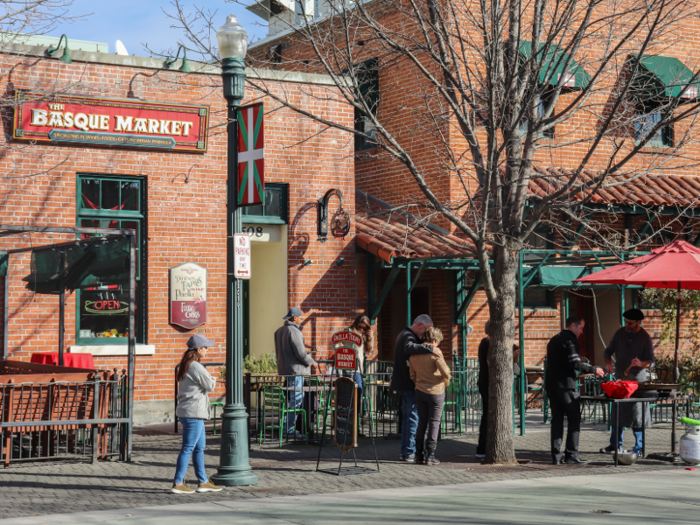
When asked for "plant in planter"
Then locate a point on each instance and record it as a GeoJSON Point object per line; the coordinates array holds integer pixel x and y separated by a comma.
{"type": "Point", "coordinates": [663, 365]}
{"type": "Point", "coordinates": [265, 364]}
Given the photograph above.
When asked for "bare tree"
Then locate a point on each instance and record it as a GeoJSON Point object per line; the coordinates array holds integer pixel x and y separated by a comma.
{"type": "Point", "coordinates": [484, 96]}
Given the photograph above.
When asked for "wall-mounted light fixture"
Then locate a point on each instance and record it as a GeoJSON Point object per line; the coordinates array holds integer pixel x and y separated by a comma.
{"type": "Point", "coordinates": [340, 222]}
{"type": "Point", "coordinates": [340, 261]}
{"type": "Point", "coordinates": [185, 67]}
{"type": "Point", "coordinates": [51, 51]}
{"type": "Point", "coordinates": [307, 262]}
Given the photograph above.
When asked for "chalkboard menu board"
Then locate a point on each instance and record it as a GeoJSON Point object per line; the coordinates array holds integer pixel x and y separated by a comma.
{"type": "Point", "coordinates": [345, 413]}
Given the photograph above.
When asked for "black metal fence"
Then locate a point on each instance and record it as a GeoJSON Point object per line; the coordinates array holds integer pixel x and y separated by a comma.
{"type": "Point", "coordinates": [294, 408]}
{"type": "Point", "coordinates": [64, 419]}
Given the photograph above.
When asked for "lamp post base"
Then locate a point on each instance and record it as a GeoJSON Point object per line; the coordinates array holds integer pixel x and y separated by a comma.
{"type": "Point", "coordinates": [234, 468]}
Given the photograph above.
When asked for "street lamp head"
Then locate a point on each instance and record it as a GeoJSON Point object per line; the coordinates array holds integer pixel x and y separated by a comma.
{"type": "Point", "coordinates": [232, 39]}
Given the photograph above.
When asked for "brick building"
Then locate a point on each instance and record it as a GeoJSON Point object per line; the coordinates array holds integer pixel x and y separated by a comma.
{"type": "Point", "coordinates": [667, 200]}
{"type": "Point", "coordinates": [176, 200]}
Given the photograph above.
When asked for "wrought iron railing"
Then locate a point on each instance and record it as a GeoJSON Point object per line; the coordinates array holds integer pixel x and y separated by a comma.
{"type": "Point", "coordinates": [64, 419]}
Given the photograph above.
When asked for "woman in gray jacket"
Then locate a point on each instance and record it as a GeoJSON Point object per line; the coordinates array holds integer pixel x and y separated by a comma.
{"type": "Point", "coordinates": [195, 383]}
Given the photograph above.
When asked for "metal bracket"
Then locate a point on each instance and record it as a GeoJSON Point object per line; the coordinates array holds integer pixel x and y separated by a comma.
{"type": "Point", "coordinates": [323, 212]}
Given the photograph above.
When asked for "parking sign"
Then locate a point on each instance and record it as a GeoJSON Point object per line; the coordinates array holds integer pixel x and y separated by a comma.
{"type": "Point", "coordinates": [241, 256]}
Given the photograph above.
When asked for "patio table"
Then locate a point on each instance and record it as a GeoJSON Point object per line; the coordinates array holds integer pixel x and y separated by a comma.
{"type": "Point", "coordinates": [72, 360]}
{"type": "Point", "coordinates": [616, 424]}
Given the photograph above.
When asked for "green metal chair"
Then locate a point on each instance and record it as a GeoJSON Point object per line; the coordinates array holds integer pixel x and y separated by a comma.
{"type": "Point", "coordinates": [213, 406]}
{"type": "Point", "coordinates": [275, 404]}
{"type": "Point", "coordinates": [326, 405]}
{"type": "Point", "coordinates": [453, 397]}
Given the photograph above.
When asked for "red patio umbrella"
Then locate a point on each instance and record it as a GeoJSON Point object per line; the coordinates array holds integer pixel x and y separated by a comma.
{"type": "Point", "coordinates": [676, 265]}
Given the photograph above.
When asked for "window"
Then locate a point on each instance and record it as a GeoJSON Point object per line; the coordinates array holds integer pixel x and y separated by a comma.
{"type": "Point", "coordinates": [112, 202]}
{"type": "Point", "coordinates": [274, 211]}
{"type": "Point", "coordinates": [368, 79]}
{"type": "Point", "coordinates": [536, 297]}
{"type": "Point", "coordinates": [647, 120]}
{"type": "Point", "coordinates": [545, 99]}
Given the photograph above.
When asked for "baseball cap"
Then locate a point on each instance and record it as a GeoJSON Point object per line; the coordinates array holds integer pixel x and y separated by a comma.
{"type": "Point", "coordinates": [293, 312]}
{"type": "Point", "coordinates": [198, 341]}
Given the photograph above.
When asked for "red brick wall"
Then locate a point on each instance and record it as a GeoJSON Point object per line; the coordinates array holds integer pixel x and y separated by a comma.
{"type": "Point", "coordinates": [186, 220]}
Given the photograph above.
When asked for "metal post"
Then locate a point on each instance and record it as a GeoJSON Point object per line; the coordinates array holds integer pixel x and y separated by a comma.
{"type": "Point", "coordinates": [676, 372]}
{"type": "Point", "coordinates": [61, 307]}
{"type": "Point", "coordinates": [131, 343]}
{"type": "Point", "coordinates": [234, 468]}
{"type": "Point", "coordinates": [521, 337]}
{"type": "Point", "coordinates": [408, 294]}
{"type": "Point", "coordinates": [6, 312]}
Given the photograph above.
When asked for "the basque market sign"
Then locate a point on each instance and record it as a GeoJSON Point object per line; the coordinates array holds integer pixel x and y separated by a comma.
{"type": "Point", "coordinates": [188, 295]}
{"type": "Point", "coordinates": [41, 117]}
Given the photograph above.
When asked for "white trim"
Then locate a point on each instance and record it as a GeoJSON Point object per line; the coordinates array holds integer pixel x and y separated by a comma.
{"type": "Point", "coordinates": [107, 350]}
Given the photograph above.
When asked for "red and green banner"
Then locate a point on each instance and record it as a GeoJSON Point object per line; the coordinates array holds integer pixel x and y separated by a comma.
{"type": "Point", "coordinates": [125, 123]}
{"type": "Point", "coordinates": [251, 155]}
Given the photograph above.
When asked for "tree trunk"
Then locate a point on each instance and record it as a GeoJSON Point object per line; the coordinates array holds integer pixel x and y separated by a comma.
{"type": "Point", "coordinates": [499, 445]}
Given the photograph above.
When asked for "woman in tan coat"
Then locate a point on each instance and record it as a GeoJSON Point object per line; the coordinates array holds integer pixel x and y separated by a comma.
{"type": "Point", "coordinates": [430, 374]}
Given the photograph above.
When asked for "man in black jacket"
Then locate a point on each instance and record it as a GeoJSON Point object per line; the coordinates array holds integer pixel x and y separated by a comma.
{"type": "Point", "coordinates": [563, 361]}
{"type": "Point", "coordinates": [408, 344]}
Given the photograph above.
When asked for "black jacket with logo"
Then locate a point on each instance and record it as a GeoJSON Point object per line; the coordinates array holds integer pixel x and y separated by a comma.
{"type": "Point", "coordinates": [407, 344]}
{"type": "Point", "coordinates": [563, 361]}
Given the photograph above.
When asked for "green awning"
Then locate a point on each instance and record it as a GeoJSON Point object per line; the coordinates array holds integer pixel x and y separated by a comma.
{"type": "Point", "coordinates": [93, 263]}
{"type": "Point", "coordinates": [564, 277]}
{"type": "Point", "coordinates": [4, 258]}
{"type": "Point", "coordinates": [552, 66]}
{"type": "Point", "coordinates": [557, 276]}
{"type": "Point", "coordinates": [663, 77]}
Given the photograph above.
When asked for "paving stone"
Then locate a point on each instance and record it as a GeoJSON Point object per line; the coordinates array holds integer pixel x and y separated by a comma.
{"type": "Point", "coordinates": [41, 488]}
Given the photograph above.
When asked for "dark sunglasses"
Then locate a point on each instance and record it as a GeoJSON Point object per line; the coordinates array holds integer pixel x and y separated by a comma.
{"type": "Point", "coordinates": [364, 328]}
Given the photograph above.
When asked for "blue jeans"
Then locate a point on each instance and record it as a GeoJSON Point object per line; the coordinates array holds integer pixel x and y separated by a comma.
{"type": "Point", "coordinates": [409, 423]}
{"type": "Point", "coordinates": [296, 399]}
{"type": "Point", "coordinates": [193, 440]}
{"type": "Point", "coordinates": [620, 439]}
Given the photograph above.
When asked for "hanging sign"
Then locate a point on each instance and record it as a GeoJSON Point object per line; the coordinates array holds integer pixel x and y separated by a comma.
{"type": "Point", "coordinates": [251, 155]}
{"type": "Point", "coordinates": [346, 344]}
{"type": "Point", "coordinates": [241, 256]}
{"type": "Point", "coordinates": [188, 295]}
{"type": "Point", "coordinates": [127, 123]}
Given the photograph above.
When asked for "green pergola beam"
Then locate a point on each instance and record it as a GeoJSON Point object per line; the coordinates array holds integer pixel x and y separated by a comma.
{"type": "Point", "coordinates": [418, 274]}
{"type": "Point", "coordinates": [532, 274]}
{"type": "Point", "coordinates": [377, 307]}
{"type": "Point", "coordinates": [470, 296]}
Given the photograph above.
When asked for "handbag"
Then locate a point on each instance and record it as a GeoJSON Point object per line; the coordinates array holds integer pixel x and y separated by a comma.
{"type": "Point", "coordinates": [619, 389]}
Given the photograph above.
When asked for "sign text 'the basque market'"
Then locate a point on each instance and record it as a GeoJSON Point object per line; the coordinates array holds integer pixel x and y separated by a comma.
{"type": "Point", "coordinates": [40, 117]}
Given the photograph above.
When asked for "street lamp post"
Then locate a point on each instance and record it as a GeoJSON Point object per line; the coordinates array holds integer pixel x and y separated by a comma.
{"type": "Point", "coordinates": [234, 468]}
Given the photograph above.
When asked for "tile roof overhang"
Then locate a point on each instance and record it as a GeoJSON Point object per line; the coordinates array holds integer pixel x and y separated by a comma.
{"type": "Point", "coordinates": [389, 233]}
{"type": "Point", "coordinates": [623, 188]}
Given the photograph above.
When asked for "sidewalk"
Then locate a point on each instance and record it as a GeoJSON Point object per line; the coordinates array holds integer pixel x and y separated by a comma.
{"type": "Point", "coordinates": [614, 498]}
{"type": "Point", "coordinates": [41, 489]}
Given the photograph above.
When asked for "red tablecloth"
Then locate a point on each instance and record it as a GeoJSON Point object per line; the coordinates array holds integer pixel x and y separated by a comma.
{"type": "Point", "coordinates": [74, 360]}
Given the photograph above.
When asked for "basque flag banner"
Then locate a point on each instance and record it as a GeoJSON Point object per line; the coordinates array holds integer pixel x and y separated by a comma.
{"type": "Point", "coordinates": [251, 156]}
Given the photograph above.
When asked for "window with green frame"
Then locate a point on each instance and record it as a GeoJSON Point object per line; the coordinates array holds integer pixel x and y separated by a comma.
{"type": "Point", "coordinates": [274, 211]}
{"type": "Point", "coordinates": [112, 202]}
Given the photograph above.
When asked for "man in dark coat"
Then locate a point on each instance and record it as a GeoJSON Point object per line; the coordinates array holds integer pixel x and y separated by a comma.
{"type": "Point", "coordinates": [634, 354]}
{"type": "Point", "coordinates": [408, 344]}
{"type": "Point", "coordinates": [563, 361]}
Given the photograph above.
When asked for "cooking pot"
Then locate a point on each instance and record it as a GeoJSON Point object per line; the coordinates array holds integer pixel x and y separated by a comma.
{"type": "Point", "coordinates": [627, 457]}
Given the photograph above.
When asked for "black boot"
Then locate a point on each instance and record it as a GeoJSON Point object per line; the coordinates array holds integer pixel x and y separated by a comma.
{"type": "Point", "coordinates": [430, 458]}
{"type": "Point", "coordinates": [420, 452]}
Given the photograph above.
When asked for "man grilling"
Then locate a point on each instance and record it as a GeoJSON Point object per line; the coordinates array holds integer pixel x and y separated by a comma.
{"type": "Point", "coordinates": [563, 361]}
{"type": "Point", "coordinates": [634, 354]}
